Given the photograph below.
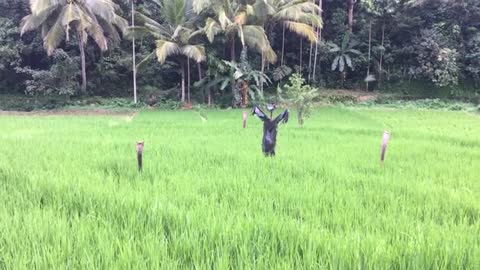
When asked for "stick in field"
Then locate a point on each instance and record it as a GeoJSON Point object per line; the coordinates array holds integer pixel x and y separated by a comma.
{"type": "Point", "coordinates": [139, 154]}
{"type": "Point", "coordinates": [385, 139]}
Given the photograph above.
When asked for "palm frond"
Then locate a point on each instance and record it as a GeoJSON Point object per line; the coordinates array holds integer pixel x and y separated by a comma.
{"type": "Point", "coordinates": [310, 19]}
{"type": "Point", "coordinates": [256, 38]}
{"type": "Point", "coordinates": [70, 14]}
{"type": "Point", "coordinates": [341, 64]}
{"type": "Point", "coordinates": [144, 19]}
{"type": "Point", "coordinates": [38, 6]}
{"type": "Point", "coordinates": [173, 11]}
{"type": "Point", "coordinates": [370, 78]}
{"type": "Point", "coordinates": [166, 49]}
{"type": "Point", "coordinates": [345, 41]}
{"type": "Point", "coordinates": [176, 33]}
{"type": "Point", "coordinates": [120, 23]}
{"type": "Point", "coordinates": [195, 52]}
{"type": "Point", "coordinates": [212, 28]}
{"type": "Point", "coordinates": [348, 60]}
{"type": "Point", "coordinates": [146, 59]}
{"type": "Point", "coordinates": [270, 55]}
{"type": "Point", "coordinates": [92, 28]}
{"type": "Point", "coordinates": [157, 30]}
{"type": "Point", "coordinates": [335, 63]}
{"type": "Point", "coordinates": [302, 29]}
{"type": "Point", "coordinates": [195, 33]}
{"type": "Point", "coordinates": [299, 11]}
{"type": "Point", "coordinates": [250, 10]}
{"type": "Point", "coordinates": [223, 19]}
{"type": "Point", "coordinates": [54, 36]}
{"type": "Point", "coordinates": [309, 7]}
{"type": "Point", "coordinates": [34, 21]}
{"type": "Point", "coordinates": [104, 9]}
{"type": "Point", "coordinates": [241, 18]}
{"type": "Point", "coordinates": [357, 52]}
{"type": "Point", "coordinates": [110, 31]}
{"type": "Point", "coordinates": [137, 32]}
{"type": "Point", "coordinates": [241, 35]}
{"type": "Point", "coordinates": [353, 43]}
{"type": "Point", "coordinates": [200, 5]}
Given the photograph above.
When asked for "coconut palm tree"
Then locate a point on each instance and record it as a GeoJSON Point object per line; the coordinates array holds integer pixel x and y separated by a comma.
{"type": "Point", "coordinates": [300, 17]}
{"type": "Point", "coordinates": [174, 38]}
{"type": "Point", "coordinates": [231, 19]}
{"type": "Point", "coordinates": [57, 18]}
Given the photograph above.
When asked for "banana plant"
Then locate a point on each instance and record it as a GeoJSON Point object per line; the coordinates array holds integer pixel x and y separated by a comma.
{"type": "Point", "coordinates": [343, 55]}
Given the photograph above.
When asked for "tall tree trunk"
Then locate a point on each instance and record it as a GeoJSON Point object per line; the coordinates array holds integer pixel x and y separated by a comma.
{"type": "Point", "coordinates": [369, 51]}
{"type": "Point", "coordinates": [319, 35]}
{"type": "Point", "coordinates": [83, 89]}
{"type": "Point", "coordinates": [310, 59]}
{"type": "Point", "coordinates": [199, 67]}
{"type": "Point", "coordinates": [283, 44]}
{"type": "Point", "coordinates": [133, 57]}
{"type": "Point", "coordinates": [351, 4]}
{"type": "Point", "coordinates": [182, 98]}
{"type": "Point", "coordinates": [210, 96]}
{"type": "Point", "coordinates": [189, 82]}
{"type": "Point", "coordinates": [380, 70]}
{"type": "Point", "coordinates": [263, 72]}
{"type": "Point", "coordinates": [232, 50]}
{"type": "Point", "coordinates": [301, 55]}
{"type": "Point", "coordinates": [209, 91]}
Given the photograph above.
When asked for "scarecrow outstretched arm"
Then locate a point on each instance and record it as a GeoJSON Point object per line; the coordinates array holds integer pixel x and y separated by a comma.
{"type": "Point", "coordinates": [259, 113]}
{"type": "Point", "coordinates": [282, 117]}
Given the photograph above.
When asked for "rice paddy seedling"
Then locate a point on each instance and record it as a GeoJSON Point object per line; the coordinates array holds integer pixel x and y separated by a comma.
{"type": "Point", "coordinates": [71, 195]}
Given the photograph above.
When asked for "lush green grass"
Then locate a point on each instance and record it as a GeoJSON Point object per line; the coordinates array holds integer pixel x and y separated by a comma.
{"type": "Point", "coordinates": [70, 195]}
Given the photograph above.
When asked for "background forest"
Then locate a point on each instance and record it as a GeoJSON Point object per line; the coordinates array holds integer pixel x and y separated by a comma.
{"type": "Point", "coordinates": [209, 51]}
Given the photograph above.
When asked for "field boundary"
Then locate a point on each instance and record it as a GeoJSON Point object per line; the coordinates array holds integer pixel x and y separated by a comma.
{"type": "Point", "coordinates": [77, 112]}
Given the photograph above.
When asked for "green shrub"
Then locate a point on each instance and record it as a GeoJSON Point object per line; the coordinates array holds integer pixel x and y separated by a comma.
{"type": "Point", "coordinates": [300, 95]}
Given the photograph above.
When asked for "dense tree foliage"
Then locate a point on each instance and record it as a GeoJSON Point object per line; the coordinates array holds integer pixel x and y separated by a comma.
{"type": "Point", "coordinates": [209, 49]}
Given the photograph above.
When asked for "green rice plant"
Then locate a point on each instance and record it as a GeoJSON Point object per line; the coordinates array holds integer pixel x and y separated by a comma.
{"type": "Point", "coordinates": [71, 196]}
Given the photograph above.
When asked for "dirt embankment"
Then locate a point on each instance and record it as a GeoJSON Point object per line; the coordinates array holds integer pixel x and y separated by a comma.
{"type": "Point", "coordinates": [76, 112]}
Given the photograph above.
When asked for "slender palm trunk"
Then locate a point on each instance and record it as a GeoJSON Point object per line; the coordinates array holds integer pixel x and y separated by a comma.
{"type": "Point", "coordinates": [232, 50]}
{"type": "Point", "coordinates": [380, 70]}
{"type": "Point", "coordinates": [133, 57]}
{"type": "Point", "coordinates": [210, 96]}
{"type": "Point", "coordinates": [182, 98]}
{"type": "Point", "coordinates": [351, 4]}
{"type": "Point", "coordinates": [209, 91]}
{"type": "Point", "coordinates": [283, 44]}
{"type": "Point", "coordinates": [199, 68]}
{"type": "Point", "coordinates": [189, 100]}
{"type": "Point", "coordinates": [310, 59]}
{"type": "Point", "coordinates": [369, 51]}
{"type": "Point", "coordinates": [263, 72]}
{"type": "Point", "coordinates": [319, 35]}
{"type": "Point", "coordinates": [301, 55]}
{"type": "Point", "coordinates": [83, 89]}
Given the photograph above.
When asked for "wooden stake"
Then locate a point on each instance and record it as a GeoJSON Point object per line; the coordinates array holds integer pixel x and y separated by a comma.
{"type": "Point", "coordinates": [139, 154]}
{"type": "Point", "coordinates": [385, 140]}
